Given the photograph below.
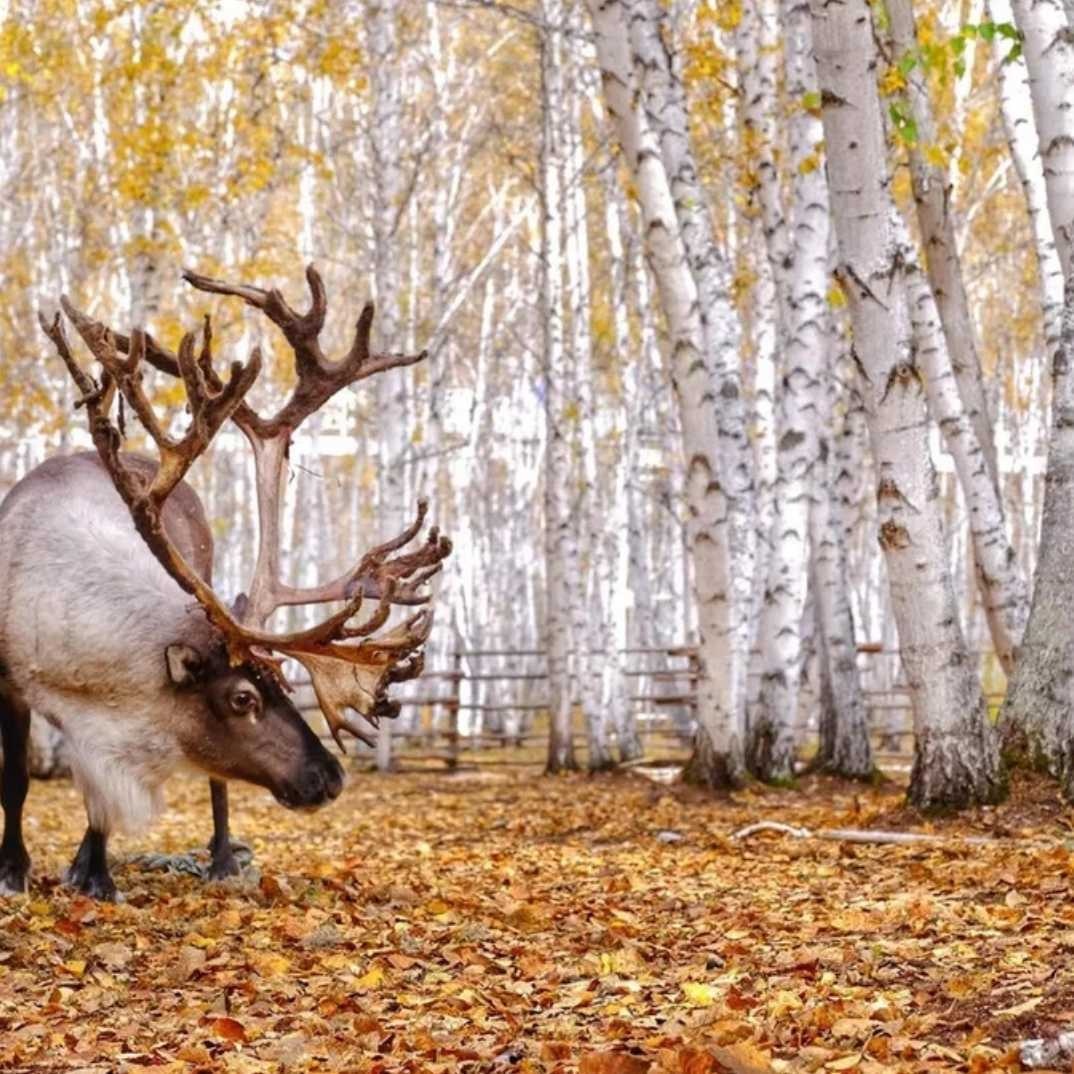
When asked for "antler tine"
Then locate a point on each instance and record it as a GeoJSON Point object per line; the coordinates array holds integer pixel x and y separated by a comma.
{"type": "Point", "coordinates": [92, 392]}
{"type": "Point", "coordinates": [318, 377]}
{"type": "Point", "coordinates": [210, 406]}
{"type": "Point", "coordinates": [302, 331]}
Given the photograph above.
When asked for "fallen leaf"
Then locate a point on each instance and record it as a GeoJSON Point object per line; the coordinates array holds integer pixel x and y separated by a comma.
{"type": "Point", "coordinates": [743, 1058]}
{"type": "Point", "coordinates": [613, 1063]}
{"type": "Point", "coordinates": [229, 1029]}
{"type": "Point", "coordinates": [701, 995]}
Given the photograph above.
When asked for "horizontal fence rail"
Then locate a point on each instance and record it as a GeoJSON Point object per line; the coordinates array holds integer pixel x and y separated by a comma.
{"type": "Point", "coordinates": [446, 712]}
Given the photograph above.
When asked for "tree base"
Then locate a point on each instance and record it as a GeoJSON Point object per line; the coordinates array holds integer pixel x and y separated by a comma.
{"type": "Point", "coordinates": [558, 766]}
{"type": "Point", "coordinates": [956, 771]}
{"type": "Point", "coordinates": [602, 764]}
{"type": "Point", "coordinates": [715, 771]}
{"type": "Point", "coordinates": [847, 763]}
{"type": "Point", "coordinates": [771, 756]}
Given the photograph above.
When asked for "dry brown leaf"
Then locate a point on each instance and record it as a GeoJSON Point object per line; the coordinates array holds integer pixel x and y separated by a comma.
{"type": "Point", "coordinates": [743, 1058]}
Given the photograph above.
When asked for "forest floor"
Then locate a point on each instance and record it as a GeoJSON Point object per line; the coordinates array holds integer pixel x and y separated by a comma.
{"type": "Point", "coordinates": [482, 922]}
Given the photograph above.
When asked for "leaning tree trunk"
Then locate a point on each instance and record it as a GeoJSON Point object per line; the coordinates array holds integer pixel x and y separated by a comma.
{"type": "Point", "coordinates": [718, 759]}
{"type": "Point", "coordinates": [1002, 589]}
{"type": "Point", "coordinates": [1016, 106]}
{"type": "Point", "coordinates": [955, 376]}
{"type": "Point", "coordinates": [663, 101]}
{"type": "Point", "coordinates": [1037, 712]}
{"type": "Point", "coordinates": [956, 763]}
{"type": "Point", "coordinates": [932, 195]}
{"type": "Point", "coordinates": [1048, 46]}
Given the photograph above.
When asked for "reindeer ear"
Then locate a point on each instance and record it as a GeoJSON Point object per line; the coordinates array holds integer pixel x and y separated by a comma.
{"type": "Point", "coordinates": [184, 664]}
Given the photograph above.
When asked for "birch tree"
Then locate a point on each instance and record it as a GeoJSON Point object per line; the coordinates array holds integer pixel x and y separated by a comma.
{"type": "Point", "coordinates": [955, 757]}
{"type": "Point", "coordinates": [702, 387]}
{"type": "Point", "coordinates": [809, 530]}
{"type": "Point", "coordinates": [1041, 695]}
{"type": "Point", "coordinates": [1016, 107]}
{"type": "Point", "coordinates": [561, 549]}
{"type": "Point", "coordinates": [664, 97]}
{"type": "Point", "coordinates": [955, 379]}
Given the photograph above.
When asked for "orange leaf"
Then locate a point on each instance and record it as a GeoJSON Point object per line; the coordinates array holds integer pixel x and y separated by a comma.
{"type": "Point", "coordinates": [613, 1063]}
{"type": "Point", "coordinates": [229, 1029]}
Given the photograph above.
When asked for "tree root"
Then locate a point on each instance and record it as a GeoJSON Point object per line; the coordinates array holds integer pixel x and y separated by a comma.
{"type": "Point", "coordinates": [858, 835]}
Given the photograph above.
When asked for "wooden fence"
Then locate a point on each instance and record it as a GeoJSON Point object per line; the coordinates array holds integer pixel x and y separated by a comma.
{"type": "Point", "coordinates": [446, 711]}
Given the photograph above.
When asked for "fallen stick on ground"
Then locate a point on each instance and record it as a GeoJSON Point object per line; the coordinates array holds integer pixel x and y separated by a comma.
{"type": "Point", "coordinates": [856, 835]}
{"type": "Point", "coordinates": [1036, 1054]}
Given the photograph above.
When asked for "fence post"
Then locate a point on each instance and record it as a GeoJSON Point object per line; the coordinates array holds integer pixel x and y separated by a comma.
{"type": "Point", "coordinates": [453, 711]}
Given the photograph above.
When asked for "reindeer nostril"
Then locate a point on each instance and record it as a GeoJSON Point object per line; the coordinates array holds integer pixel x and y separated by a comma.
{"type": "Point", "coordinates": [333, 782]}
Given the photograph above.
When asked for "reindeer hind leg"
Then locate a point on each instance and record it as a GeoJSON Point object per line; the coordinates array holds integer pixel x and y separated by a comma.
{"type": "Point", "coordinates": [14, 783]}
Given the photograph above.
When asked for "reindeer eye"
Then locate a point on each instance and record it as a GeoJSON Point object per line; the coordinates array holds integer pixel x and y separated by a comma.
{"type": "Point", "coordinates": [244, 701]}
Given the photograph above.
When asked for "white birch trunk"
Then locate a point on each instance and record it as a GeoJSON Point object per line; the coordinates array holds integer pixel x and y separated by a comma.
{"type": "Point", "coordinates": [1002, 588]}
{"type": "Point", "coordinates": [666, 118]}
{"type": "Point", "coordinates": [703, 388]}
{"type": "Point", "coordinates": [390, 392]}
{"type": "Point", "coordinates": [844, 748]}
{"type": "Point", "coordinates": [1016, 106]}
{"type": "Point", "coordinates": [1048, 47]}
{"type": "Point", "coordinates": [592, 634]}
{"type": "Point", "coordinates": [801, 481]}
{"type": "Point", "coordinates": [955, 760]}
{"type": "Point", "coordinates": [561, 555]}
{"type": "Point", "coordinates": [932, 195]}
{"type": "Point", "coordinates": [623, 466]}
{"type": "Point", "coordinates": [1039, 715]}
{"type": "Point", "coordinates": [1036, 715]}
{"type": "Point", "coordinates": [801, 269]}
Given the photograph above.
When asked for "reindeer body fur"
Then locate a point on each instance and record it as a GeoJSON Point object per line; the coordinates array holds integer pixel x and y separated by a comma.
{"type": "Point", "coordinates": [86, 612]}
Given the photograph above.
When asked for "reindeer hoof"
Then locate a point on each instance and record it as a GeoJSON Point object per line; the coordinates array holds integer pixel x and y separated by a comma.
{"type": "Point", "coordinates": [230, 861]}
{"type": "Point", "coordinates": [99, 886]}
{"type": "Point", "coordinates": [14, 874]}
{"type": "Point", "coordinates": [224, 866]}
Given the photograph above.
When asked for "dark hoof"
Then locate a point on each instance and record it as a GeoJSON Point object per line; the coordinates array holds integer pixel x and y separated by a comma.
{"type": "Point", "coordinates": [96, 885]}
{"type": "Point", "coordinates": [14, 873]}
{"type": "Point", "coordinates": [224, 866]}
{"type": "Point", "coordinates": [230, 862]}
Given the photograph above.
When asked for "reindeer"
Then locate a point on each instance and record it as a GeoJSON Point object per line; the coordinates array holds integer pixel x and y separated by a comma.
{"type": "Point", "coordinates": [110, 627]}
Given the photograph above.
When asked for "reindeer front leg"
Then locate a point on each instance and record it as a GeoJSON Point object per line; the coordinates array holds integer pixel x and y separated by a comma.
{"type": "Point", "coordinates": [224, 863]}
{"type": "Point", "coordinates": [88, 872]}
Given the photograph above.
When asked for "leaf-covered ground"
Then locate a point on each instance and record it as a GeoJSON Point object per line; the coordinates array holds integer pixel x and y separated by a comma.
{"type": "Point", "coordinates": [490, 923]}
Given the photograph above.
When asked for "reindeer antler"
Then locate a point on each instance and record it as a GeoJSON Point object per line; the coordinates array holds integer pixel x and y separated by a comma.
{"type": "Point", "coordinates": [350, 664]}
